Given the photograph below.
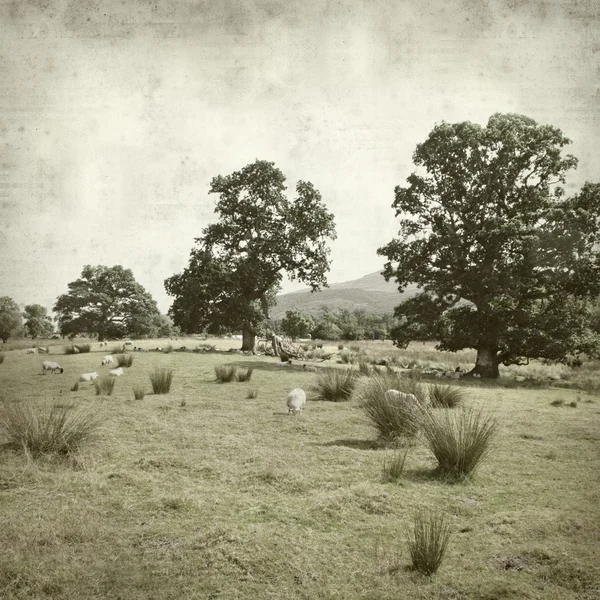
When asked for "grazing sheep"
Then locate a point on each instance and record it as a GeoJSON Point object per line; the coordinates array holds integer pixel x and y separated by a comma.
{"type": "Point", "coordinates": [287, 363]}
{"type": "Point", "coordinates": [88, 376]}
{"type": "Point", "coordinates": [449, 374]}
{"type": "Point", "coordinates": [309, 368]}
{"type": "Point", "coordinates": [477, 375]}
{"type": "Point", "coordinates": [107, 360]}
{"type": "Point", "coordinates": [439, 375]}
{"type": "Point", "coordinates": [32, 351]}
{"type": "Point", "coordinates": [43, 350]}
{"type": "Point", "coordinates": [51, 366]}
{"type": "Point", "coordinates": [116, 372]}
{"type": "Point", "coordinates": [296, 400]}
{"type": "Point", "coordinates": [392, 395]}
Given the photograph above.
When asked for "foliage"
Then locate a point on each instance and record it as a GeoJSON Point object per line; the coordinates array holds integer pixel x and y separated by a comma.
{"type": "Point", "coordinates": [77, 349]}
{"type": "Point", "coordinates": [297, 325]}
{"type": "Point", "coordinates": [393, 419]}
{"type": "Point", "coordinates": [124, 360]}
{"type": "Point", "coordinates": [107, 302]}
{"type": "Point", "coordinates": [104, 386]}
{"type": "Point", "coordinates": [238, 263]}
{"type": "Point", "coordinates": [428, 541]}
{"type": "Point", "coordinates": [139, 392]}
{"type": "Point", "coordinates": [244, 375]}
{"type": "Point", "coordinates": [161, 380]}
{"type": "Point", "coordinates": [506, 264]}
{"type": "Point", "coordinates": [166, 328]}
{"type": "Point", "coordinates": [335, 385]}
{"type": "Point", "coordinates": [393, 468]}
{"type": "Point", "coordinates": [225, 373]}
{"type": "Point", "coordinates": [37, 321]}
{"type": "Point", "coordinates": [58, 429]}
{"type": "Point", "coordinates": [446, 396]}
{"type": "Point", "coordinates": [459, 440]}
{"type": "Point", "coordinates": [10, 318]}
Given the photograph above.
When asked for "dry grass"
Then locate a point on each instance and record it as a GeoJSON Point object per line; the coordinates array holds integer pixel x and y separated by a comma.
{"type": "Point", "coordinates": [428, 541]}
{"type": "Point", "coordinates": [230, 498]}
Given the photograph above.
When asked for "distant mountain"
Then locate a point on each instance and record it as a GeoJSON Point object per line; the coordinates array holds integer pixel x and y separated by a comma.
{"type": "Point", "coordinates": [371, 293]}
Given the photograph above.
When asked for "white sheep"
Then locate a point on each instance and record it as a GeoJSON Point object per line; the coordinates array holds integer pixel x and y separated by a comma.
{"type": "Point", "coordinates": [51, 366]}
{"type": "Point", "coordinates": [116, 372]}
{"type": "Point", "coordinates": [392, 395]}
{"type": "Point", "coordinates": [477, 375]}
{"type": "Point", "coordinates": [439, 375]}
{"type": "Point", "coordinates": [88, 376]}
{"type": "Point", "coordinates": [287, 363]}
{"type": "Point", "coordinates": [32, 351]}
{"type": "Point", "coordinates": [296, 400]}
{"type": "Point", "coordinates": [309, 368]}
{"type": "Point", "coordinates": [107, 360]}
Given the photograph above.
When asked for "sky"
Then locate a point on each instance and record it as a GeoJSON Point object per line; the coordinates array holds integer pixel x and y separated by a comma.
{"type": "Point", "coordinates": [116, 115]}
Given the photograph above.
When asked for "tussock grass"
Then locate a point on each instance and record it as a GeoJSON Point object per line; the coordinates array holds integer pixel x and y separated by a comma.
{"type": "Point", "coordinates": [334, 385]}
{"type": "Point", "coordinates": [364, 368]}
{"type": "Point", "coordinates": [161, 380]}
{"type": "Point", "coordinates": [428, 541]}
{"type": "Point", "coordinates": [446, 396]}
{"type": "Point", "coordinates": [393, 468]}
{"type": "Point", "coordinates": [138, 392]}
{"type": "Point", "coordinates": [75, 387]}
{"type": "Point", "coordinates": [252, 394]}
{"type": "Point", "coordinates": [459, 440]}
{"type": "Point", "coordinates": [2, 356]}
{"type": "Point", "coordinates": [347, 357]}
{"type": "Point", "coordinates": [225, 373]}
{"type": "Point", "coordinates": [557, 402]}
{"type": "Point", "coordinates": [124, 360]}
{"type": "Point", "coordinates": [58, 429]}
{"type": "Point", "coordinates": [77, 348]}
{"type": "Point", "coordinates": [244, 375]}
{"type": "Point", "coordinates": [104, 386]}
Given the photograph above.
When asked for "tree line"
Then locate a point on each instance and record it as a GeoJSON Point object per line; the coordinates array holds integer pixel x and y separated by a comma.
{"type": "Point", "coordinates": [506, 263]}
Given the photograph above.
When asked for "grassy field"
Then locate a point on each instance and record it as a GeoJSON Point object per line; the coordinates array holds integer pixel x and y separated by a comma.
{"type": "Point", "coordinates": [205, 493]}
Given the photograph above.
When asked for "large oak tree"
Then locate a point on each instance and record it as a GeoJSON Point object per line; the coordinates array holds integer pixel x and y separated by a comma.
{"type": "Point", "coordinates": [107, 302]}
{"type": "Point", "coordinates": [236, 267]}
{"type": "Point", "coordinates": [505, 262]}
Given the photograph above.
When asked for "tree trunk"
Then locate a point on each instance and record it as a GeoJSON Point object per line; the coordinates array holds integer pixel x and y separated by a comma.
{"type": "Point", "coordinates": [248, 338]}
{"type": "Point", "coordinates": [486, 363]}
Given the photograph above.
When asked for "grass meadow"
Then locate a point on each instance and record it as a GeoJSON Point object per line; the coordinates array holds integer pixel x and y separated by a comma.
{"type": "Point", "coordinates": [206, 492]}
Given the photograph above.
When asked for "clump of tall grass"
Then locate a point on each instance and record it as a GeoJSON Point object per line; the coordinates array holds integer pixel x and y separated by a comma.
{"type": "Point", "coordinates": [347, 357]}
{"type": "Point", "coordinates": [364, 368]}
{"type": "Point", "coordinates": [1, 358]}
{"type": "Point", "coordinates": [58, 429]}
{"type": "Point", "coordinates": [77, 348]}
{"type": "Point", "coordinates": [161, 380]}
{"type": "Point", "coordinates": [124, 360]}
{"type": "Point", "coordinates": [446, 396]}
{"type": "Point", "coordinates": [244, 375]}
{"type": "Point", "coordinates": [393, 467]}
{"type": "Point", "coordinates": [104, 386]}
{"type": "Point", "coordinates": [459, 440]}
{"type": "Point", "coordinates": [225, 373]}
{"type": "Point", "coordinates": [75, 387]}
{"type": "Point", "coordinates": [252, 394]}
{"type": "Point", "coordinates": [138, 392]}
{"type": "Point", "coordinates": [335, 385]}
{"type": "Point", "coordinates": [428, 541]}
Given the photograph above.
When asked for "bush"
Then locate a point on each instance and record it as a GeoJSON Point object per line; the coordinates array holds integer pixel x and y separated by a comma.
{"type": "Point", "coordinates": [394, 468]}
{"type": "Point", "coordinates": [334, 385]}
{"type": "Point", "coordinates": [347, 357]}
{"type": "Point", "coordinates": [161, 380]}
{"type": "Point", "coordinates": [445, 396]}
{"type": "Point", "coordinates": [104, 386]}
{"type": "Point", "coordinates": [428, 541]}
{"type": "Point", "coordinates": [459, 441]}
{"type": "Point", "coordinates": [77, 348]}
{"type": "Point", "coordinates": [558, 402]}
{"type": "Point", "coordinates": [1, 358]}
{"type": "Point", "coordinates": [59, 429]}
{"type": "Point", "coordinates": [225, 373]}
{"type": "Point", "coordinates": [138, 392]}
{"type": "Point", "coordinates": [244, 376]}
{"type": "Point", "coordinates": [124, 360]}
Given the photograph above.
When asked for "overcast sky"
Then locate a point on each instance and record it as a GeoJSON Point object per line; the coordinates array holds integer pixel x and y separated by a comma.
{"type": "Point", "coordinates": [115, 115]}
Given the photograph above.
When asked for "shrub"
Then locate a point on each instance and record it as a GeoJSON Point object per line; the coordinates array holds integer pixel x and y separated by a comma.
{"type": "Point", "coordinates": [1, 358]}
{"type": "Point", "coordinates": [558, 402]}
{"type": "Point", "coordinates": [104, 386]}
{"type": "Point", "coordinates": [168, 349]}
{"type": "Point", "coordinates": [59, 429]}
{"type": "Point", "coordinates": [394, 468]}
{"type": "Point", "coordinates": [75, 386]}
{"type": "Point", "coordinates": [347, 357]}
{"type": "Point", "coordinates": [77, 348]}
{"type": "Point", "coordinates": [244, 376]}
{"type": "Point", "coordinates": [138, 392]}
{"type": "Point", "coordinates": [459, 440]}
{"type": "Point", "coordinates": [124, 360]}
{"type": "Point", "coordinates": [340, 346]}
{"type": "Point", "coordinates": [364, 368]}
{"type": "Point", "coordinates": [252, 394]}
{"type": "Point", "coordinates": [161, 380]}
{"type": "Point", "coordinates": [428, 541]}
{"type": "Point", "coordinates": [445, 396]}
{"type": "Point", "coordinates": [225, 373]}
{"type": "Point", "coordinates": [334, 385]}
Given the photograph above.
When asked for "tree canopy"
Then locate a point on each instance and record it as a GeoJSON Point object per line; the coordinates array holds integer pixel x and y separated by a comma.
{"type": "Point", "coordinates": [506, 263]}
{"type": "Point", "coordinates": [10, 318]}
{"type": "Point", "coordinates": [238, 263]}
{"type": "Point", "coordinates": [109, 303]}
{"type": "Point", "coordinates": [296, 324]}
{"type": "Point", "coordinates": [37, 321]}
